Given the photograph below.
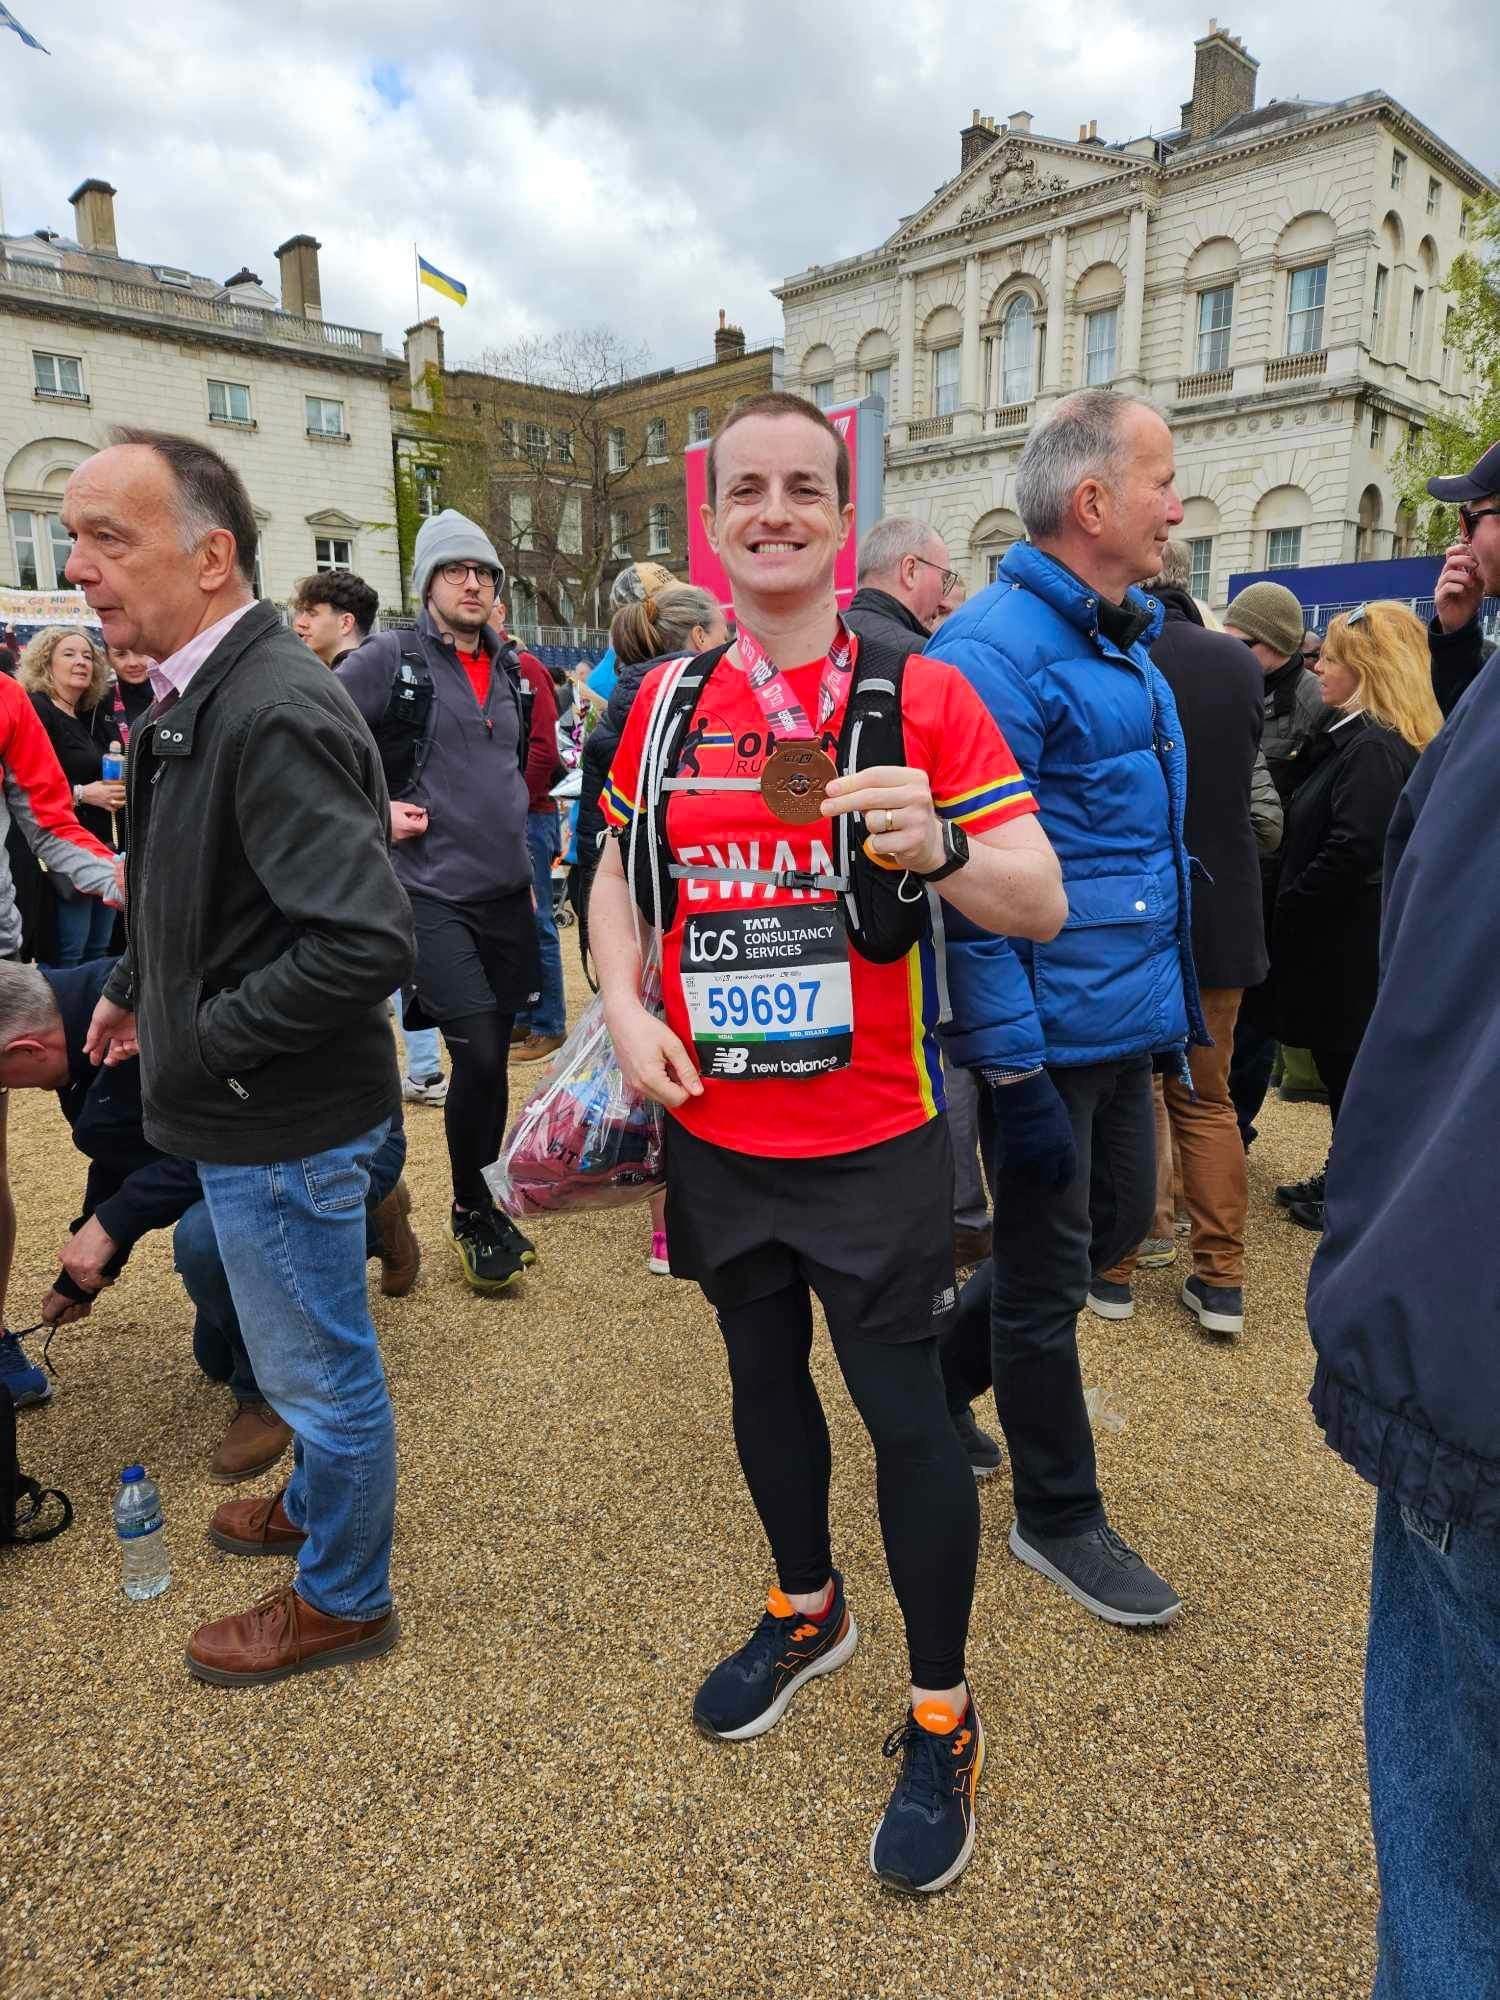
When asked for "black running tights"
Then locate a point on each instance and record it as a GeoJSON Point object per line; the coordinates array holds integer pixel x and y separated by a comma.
{"type": "Point", "coordinates": [929, 1512]}
{"type": "Point", "coordinates": [474, 1114]}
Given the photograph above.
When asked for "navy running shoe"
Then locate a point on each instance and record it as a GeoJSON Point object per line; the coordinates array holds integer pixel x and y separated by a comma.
{"type": "Point", "coordinates": [26, 1382]}
{"type": "Point", "coordinates": [748, 1693]}
{"type": "Point", "coordinates": [926, 1833]}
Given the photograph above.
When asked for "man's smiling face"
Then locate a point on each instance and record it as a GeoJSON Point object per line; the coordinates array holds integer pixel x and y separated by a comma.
{"type": "Point", "coordinates": [776, 524]}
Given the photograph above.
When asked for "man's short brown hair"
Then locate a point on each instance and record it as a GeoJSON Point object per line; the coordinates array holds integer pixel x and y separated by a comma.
{"type": "Point", "coordinates": [342, 590]}
{"type": "Point", "coordinates": [776, 403]}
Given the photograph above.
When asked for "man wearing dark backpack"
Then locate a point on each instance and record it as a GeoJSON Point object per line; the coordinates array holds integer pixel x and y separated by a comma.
{"type": "Point", "coordinates": [450, 719]}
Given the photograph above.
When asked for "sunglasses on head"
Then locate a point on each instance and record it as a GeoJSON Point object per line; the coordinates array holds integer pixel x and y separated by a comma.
{"type": "Point", "coordinates": [1470, 515]}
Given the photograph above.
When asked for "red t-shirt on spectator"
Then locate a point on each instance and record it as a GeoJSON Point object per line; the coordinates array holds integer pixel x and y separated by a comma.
{"type": "Point", "coordinates": [477, 667]}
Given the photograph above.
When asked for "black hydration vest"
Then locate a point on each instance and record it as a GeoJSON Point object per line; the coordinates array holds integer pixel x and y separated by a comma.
{"type": "Point", "coordinates": [403, 729]}
{"type": "Point", "coordinates": [885, 911]}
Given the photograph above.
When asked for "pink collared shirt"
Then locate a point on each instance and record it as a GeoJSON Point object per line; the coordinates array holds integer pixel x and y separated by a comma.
{"type": "Point", "coordinates": [171, 676]}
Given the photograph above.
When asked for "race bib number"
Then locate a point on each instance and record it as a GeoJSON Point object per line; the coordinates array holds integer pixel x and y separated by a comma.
{"type": "Point", "coordinates": [768, 992]}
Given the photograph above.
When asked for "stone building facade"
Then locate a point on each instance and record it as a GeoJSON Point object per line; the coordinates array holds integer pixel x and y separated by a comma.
{"type": "Point", "coordinates": [297, 403]}
{"type": "Point", "coordinates": [1271, 279]}
{"type": "Point", "coordinates": [572, 482]}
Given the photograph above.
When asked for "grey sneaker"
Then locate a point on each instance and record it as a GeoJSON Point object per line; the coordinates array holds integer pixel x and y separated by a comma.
{"type": "Point", "coordinates": [1102, 1572]}
{"type": "Point", "coordinates": [1220, 1308]}
{"type": "Point", "coordinates": [981, 1450]}
{"type": "Point", "coordinates": [1110, 1301]}
{"type": "Point", "coordinates": [1156, 1253]}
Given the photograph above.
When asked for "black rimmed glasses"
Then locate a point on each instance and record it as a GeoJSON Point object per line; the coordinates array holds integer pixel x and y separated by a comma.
{"type": "Point", "coordinates": [951, 577]}
{"type": "Point", "coordinates": [460, 572]}
{"type": "Point", "coordinates": [1471, 516]}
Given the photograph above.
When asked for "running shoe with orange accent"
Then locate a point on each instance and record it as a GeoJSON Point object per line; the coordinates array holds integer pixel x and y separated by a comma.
{"type": "Point", "coordinates": [926, 1833]}
{"type": "Point", "coordinates": [748, 1693]}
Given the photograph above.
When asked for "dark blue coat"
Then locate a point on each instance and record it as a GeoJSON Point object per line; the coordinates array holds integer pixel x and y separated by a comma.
{"type": "Point", "coordinates": [1095, 730]}
{"type": "Point", "coordinates": [1403, 1303]}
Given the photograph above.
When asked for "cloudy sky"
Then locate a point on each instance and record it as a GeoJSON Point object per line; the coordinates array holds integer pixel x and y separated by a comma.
{"type": "Point", "coordinates": [593, 163]}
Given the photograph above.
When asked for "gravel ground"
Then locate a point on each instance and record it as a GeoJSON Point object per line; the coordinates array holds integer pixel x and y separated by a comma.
{"type": "Point", "coordinates": [515, 1803]}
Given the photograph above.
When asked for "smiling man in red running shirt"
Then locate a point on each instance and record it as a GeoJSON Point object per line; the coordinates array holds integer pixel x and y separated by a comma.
{"type": "Point", "coordinates": [806, 1153]}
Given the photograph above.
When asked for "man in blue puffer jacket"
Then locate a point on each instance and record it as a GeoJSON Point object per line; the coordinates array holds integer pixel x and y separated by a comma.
{"type": "Point", "coordinates": [1063, 1034]}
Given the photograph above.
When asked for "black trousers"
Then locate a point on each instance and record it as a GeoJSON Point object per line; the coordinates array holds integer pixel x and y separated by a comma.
{"type": "Point", "coordinates": [1334, 1066]}
{"type": "Point", "coordinates": [1017, 1323]}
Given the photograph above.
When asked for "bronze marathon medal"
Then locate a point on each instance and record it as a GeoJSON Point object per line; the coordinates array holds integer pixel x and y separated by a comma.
{"type": "Point", "coordinates": [795, 781]}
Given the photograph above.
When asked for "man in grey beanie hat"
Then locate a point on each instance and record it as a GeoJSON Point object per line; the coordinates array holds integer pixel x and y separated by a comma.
{"type": "Point", "coordinates": [1268, 617]}
{"type": "Point", "coordinates": [450, 717]}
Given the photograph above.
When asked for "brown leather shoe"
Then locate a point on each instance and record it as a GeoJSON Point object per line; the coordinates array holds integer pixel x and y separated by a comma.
{"type": "Point", "coordinates": [284, 1635]}
{"type": "Point", "coordinates": [256, 1438]}
{"type": "Point", "coordinates": [535, 1047]}
{"type": "Point", "coordinates": [400, 1252]}
{"type": "Point", "coordinates": [255, 1528]}
{"type": "Point", "coordinates": [970, 1246]}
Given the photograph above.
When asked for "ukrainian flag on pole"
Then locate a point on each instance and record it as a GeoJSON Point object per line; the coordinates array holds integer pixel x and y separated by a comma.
{"type": "Point", "coordinates": [451, 288]}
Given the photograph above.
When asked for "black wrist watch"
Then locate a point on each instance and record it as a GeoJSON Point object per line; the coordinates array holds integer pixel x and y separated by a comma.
{"type": "Point", "coordinates": [955, 852]}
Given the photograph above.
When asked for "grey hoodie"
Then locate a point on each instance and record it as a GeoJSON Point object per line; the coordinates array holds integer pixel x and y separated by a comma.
{"type": "Point", "coordinates": [468, 774]}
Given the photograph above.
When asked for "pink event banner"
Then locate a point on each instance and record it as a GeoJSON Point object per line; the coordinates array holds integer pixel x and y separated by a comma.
{"type": "Point", "coordinates": [704, 567]}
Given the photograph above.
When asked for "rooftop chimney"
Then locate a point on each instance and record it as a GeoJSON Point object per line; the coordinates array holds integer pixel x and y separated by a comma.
{"type": "Point", "coordinates": [301, 291]}
{"type": "Point", "coordinates": [976, 139]}
{"type": "Point", "coordinates": [1223, 82]}
{"type": "Point", "coordinates": [729, 341]}
{"type": "Point", "coordinates": [243, 276]}
{"type": "Point", "coordinates": [94, 207]}
{"type": "Point", "coordinates": [1019, 121]}
{"type": "Point", "coordinates": [424, 356]}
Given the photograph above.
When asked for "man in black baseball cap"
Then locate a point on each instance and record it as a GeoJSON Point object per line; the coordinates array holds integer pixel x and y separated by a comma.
{"type": "Point", "coordinates": [1471, 572]}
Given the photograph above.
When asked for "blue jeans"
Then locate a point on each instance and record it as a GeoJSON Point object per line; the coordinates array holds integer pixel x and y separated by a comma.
{"type": "Point", "coordinates": [422, 1060]}
{"type": "Point", "coordinates": [544, 840]}
{"type": "Point", "coordinates": [218, 1345]}
{"type": "Point", "coordinates": [292, 1239]}
{"type": "Point", "coordinates": [82, 928]}
{"type": "Point", "coordinates": [1432, 1731]}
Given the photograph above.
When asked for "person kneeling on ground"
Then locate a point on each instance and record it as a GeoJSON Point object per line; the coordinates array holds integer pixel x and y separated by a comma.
{"type": "Point", "coordinates": [133, 1188]}
{"type": "Point", "coordinates": [814, 1158]}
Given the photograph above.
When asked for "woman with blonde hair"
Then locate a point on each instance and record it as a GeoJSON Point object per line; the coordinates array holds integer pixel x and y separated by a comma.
{"type": "Point", "coordinates": [1380, 714]}
{"type": "Point", "coordinates": [66, 675]}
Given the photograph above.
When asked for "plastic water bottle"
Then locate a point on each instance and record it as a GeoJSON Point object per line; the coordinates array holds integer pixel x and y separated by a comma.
{"type": "Point", "coordinates": [147, 1568]}
{"type": "Point", "coordinates": [112, 770]}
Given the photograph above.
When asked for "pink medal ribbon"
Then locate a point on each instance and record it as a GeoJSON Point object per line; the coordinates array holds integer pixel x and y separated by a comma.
{"type": "Point", "coordinates": [798, 772]}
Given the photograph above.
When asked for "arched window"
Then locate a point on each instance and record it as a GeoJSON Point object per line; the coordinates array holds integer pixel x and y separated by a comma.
{"type": "Point", "coordinates": [1016, 351]}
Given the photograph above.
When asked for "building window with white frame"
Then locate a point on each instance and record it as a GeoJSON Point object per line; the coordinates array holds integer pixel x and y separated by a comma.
{"type": "Point", "coordinates": [426, 482]}
{"type": "Point", "coordinates": [617, 451]}
{"type": "Point", "coordinates": [1201, 561]}
{"type": "Point", "coordinates": [1434, 196]}
{"type": "Point", "coordinates": [536, 441]}
{"type": "Point", "coordinates": [1100, 332]}
{"type": "Point", "coordinates": [1283, 548]}
{"type": "Point", "coordinates": [1377, 430]}
{"type": "Point", "coordinates": [878, 384]}
{"type": "Point", "coordinates": [658, 531]}
{"type": "Point", "coordinates": [822, 393]}
{"type": "Point", "coordinates": [41, 545]}
{"type": "Point", "coordinates": [1414, 332]}
{"type": "Point", "coordinates": [562, 447]}
{"type": "Point", "coordinates": [1377, 314]}
{"type": "Point", "coordinates": [570, 526]}
{"type": "Point", "coordinates": [333, 552]}
{"type": "Point", "coordinates": [1398, 171]}
{"type": "Point", "coordinates": [229, 403]}
{"type": "Point", "coordinates": [700, 427]}
{"type": "Point", "coordinates": [656, 440]}
{"type": "Point", "coordinates": [619, 533]}
{"type": "Point", "coordinates": [519, 511]}
{"type": "Point", "coordinates": [1215, 325]}
{"type": "Point", "coordinates": [1305, 293]}
{"type": "Point", "coordinates": [325, 416]}
{"type": "Point", "coordinates": [508, 435]}
{"type": "Point", "coordinates": [59, 375]}
{"type": "Point", "coordinates": [945, 362]}
{"type": "Point", "coordinates": [1017, 351]}
{"type": "Point", "coordinates": [1463, 222]}
{"type": "Point", "coordinates": [1450, 355]}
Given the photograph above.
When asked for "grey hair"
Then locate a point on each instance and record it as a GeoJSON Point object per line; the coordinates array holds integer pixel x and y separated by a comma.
{"type": "Point", "coordinates": [1176, 571]}
{"type": "Point", "coordinates": [891, 540]}
{"type": "Point", "coordinates": [1080, 440]}
{"type": "Point", "coordinates": [27, 1006]}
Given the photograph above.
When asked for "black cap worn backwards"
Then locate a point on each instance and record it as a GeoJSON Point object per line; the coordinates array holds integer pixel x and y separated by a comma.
{"type": "Point", "coordinates": [1476, 485]}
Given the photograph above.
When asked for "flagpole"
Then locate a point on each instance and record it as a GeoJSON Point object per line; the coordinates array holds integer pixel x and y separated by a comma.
{"type": "Point", "coordinates": [416, 274]}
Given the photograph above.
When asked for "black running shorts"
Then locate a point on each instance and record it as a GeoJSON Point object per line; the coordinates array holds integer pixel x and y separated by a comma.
{"type": "Point", "coordinates": [870, 1232]}
{"type": "Point", "coordinates": [473, 958]}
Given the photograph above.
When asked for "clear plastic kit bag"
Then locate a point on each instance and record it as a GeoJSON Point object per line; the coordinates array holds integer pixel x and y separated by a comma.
{"type": "Point", "coordinates": [583, 1139]}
